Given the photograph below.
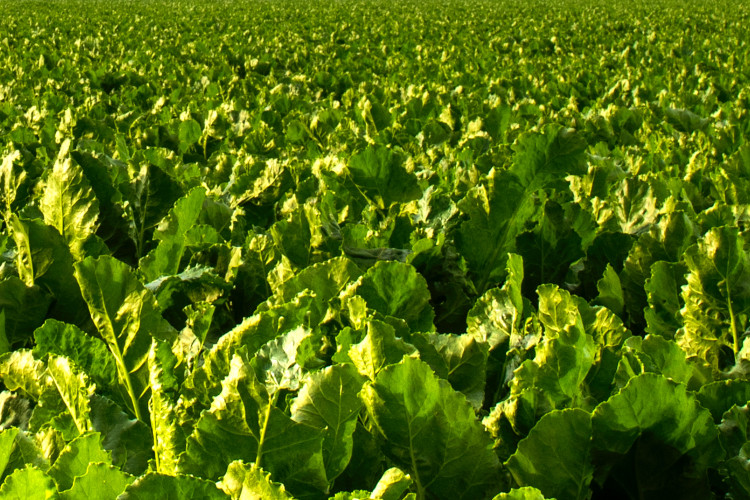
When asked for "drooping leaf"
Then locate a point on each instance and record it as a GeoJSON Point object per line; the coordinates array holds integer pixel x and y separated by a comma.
{"type": "Point", "coordinates": [127, 439]}
{"type": "Point", "coordinates": [165, 423]}
{"type": "Point", "coordinates": [391, 485]}
{"type": "Point", "coordinates": [497, 315]}
{"type": "Point", "coordinates": [523, 493]}
{"type": "Point", "coordinates": [74, 389]}
{"type": "Point", "coordinates": [44, 260]}
{"type": "Point", "coordinates": [24, 308]}
{"type": "Point", "coordinates": [610, 291]}
{"type": "Point", "coordinates": [379, 348]}
{"type": "Point", "coordinates": [662, 288]}
{"type": "Point", "coordinates": [497, 214]}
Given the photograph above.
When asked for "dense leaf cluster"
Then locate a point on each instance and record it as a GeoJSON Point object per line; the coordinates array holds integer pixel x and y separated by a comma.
{"type": "Point", "coordinates": [388, 250]}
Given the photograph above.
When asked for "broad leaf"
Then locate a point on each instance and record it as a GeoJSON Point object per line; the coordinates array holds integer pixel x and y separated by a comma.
{"type": "Point", "coordinates": [126, 315]}
{"type": "Point", "coordinates": [68, 203]}
{"type": "Point", "coordinates": [431, 431]}
{"type": "Point", "coordinates": [562, 437]}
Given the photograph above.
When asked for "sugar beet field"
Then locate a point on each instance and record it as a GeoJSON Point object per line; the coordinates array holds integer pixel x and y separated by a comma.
{"type": "Point", "coordinates": [388, 250]}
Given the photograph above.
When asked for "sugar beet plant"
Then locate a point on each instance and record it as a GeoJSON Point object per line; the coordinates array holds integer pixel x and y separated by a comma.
{"type": "Point", "coordinates": [388, 250]}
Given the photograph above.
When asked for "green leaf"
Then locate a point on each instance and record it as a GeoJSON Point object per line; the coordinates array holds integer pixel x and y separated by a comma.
{"type": "Point", "coordinates": [28, 483]}
{"type": "Point", "coordinates": [718, 397]}
{"type": "Point", "coordinates": [153, 486]}
{"type": "Point", "coordinates": [24, 307]}
{"type": "Point", "coordinates": [127, 317]}
{"type": "Point", "coordinates": [7, 442]}
{"type": "Point", "coordinates": [717, 297]}
{"type": "Point", "coordinates": [379, 172]}
{"type": "Point", "coordinates": [12, 178]}
{"type": "Point", "coordinates": [524, 493]}
{"type": "Point", "coordinates": [327, 279]}
{"type": "Point", "coordinates": [279, 363]}
{"type": "Point", "coordinates": [610, 291]}
{"type": "Point", "coordinates": [74, 460]}
{"type": "Point", "coordinates": [391, 485]}
{"type": "Point", "coordinates": [556, 456]}
{"type": "Point", "coordinates": [150, 193]}
{"type": "Point", "coordinates": [685, 120]}
{"type": "Point", "coordinates": [548, 157]}
{"type": "Point", "coordinates": [101, 480]}
{"type": "Point", "coordinates": [189, 133]}
{"type": "Point", "coordinates": [20, 370]}
{"type": "Point", "coordinates": [496, 214]}
{"type": "Point", "coordinates": [89, 353]}
{"type": "Point", "coordinates": [248, 481]}
{"type": "Point", "coordinates": [329, 401]}
{"type": "Point", "coordinates": [44, 260]}
{"type": "Point", "coordinates": [663, 316]}
{"type": "Point", "coordinates": [243, 423]}
{"type": "Point", "coordinates": [555, 377]}
{"type": "Point", "coordinates": [653, 354]}
{"type": "Point", "coordinates": [398, 290]}
{"type": "Point", "coordinates": [250, 335]}
{"type": "Point", "coordinates": [68, 203]}
{"type": "Point", "coordinates": [165, 259]}
{"type": "Point", "coordinates": [496, 315]}
{"type": "Point", "coordinates": [466, 364]}
{"type": "Point", "coordinates": [378, 349]}
{"type": "Point", "coordinates": [74, 389]}
{"type": "Point", "coordinates": [651, 403]}
{"type": "Point", "coordinates": [432, 431]}
{"type": "Point", "coordinates": [129, 441]}
{"type": "Point", "coordinates": [169, 437]}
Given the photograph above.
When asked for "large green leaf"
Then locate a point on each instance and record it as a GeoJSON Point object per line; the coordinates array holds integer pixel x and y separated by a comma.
{"type": "Point", "coordinates": [74, 460]}
{"type": "Point", "coordinates": [127, 317]}
{"type": "Point", "coordinates": [432, 431]}
{"type": "Point", "coordinates": [165, 259]}
{"type": "Point", "coordinates": [379, 172]}
{"type": "Point", "coordinates": [556, 456]}
{"type": "Point", "coordinates": [652, 403]}
{"type": "Point", "coordinates": [397, 289]}
{"type": "Point", "coordinates": [329, 401]}
{"type": "Point", "coordinates": [44, 260]}
{"type": "Point", "coordinates": [153, 486]}
{"type": "Point", "coordinates": [89, 353]}
{"type": "Point", "coordinates": [68, 203]}
{"type": "Point", "coordinates": [244, 423]}
{"type": "Point", "coordinates": [28, 483]}
{"type": "Point", "coordinates": [717, 297]}
{"type": "Point", "coordinates": [497, 214]}
{"type": "Point", "coordinates": [101, 480]}
{"type": "Point", "coordinates": [169, 437]}
{"type": "Point", "coordinates": [249, 481]}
